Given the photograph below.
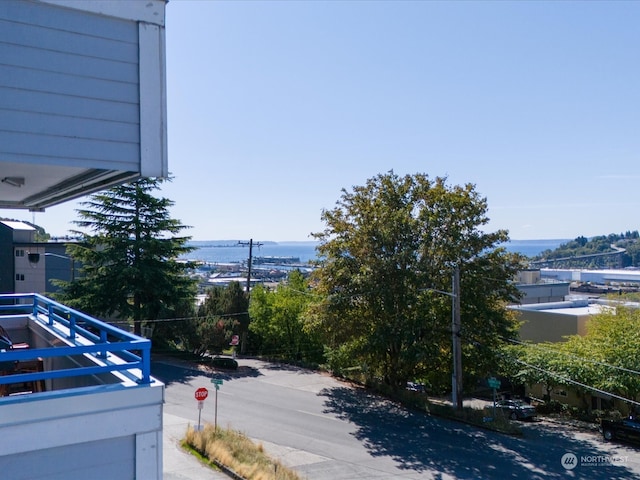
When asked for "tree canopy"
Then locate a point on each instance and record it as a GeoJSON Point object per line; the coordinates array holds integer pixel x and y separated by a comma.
{"type": "Point", "coordinates": [278, 320]}
{"type": "Point", "coordinates": [604, 359]}
{"type": "Point", "coordinates": [387, 255]}
{"type": "Point", "coordinates": [128, 251]}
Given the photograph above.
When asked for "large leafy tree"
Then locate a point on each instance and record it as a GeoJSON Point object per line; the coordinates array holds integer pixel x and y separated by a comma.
{"type": "Point", "coordinates": [277, 320]}
{"type": "Point", "coordinates": [129, 251]}
{"type": "Point", "coordinates": [388, 252]}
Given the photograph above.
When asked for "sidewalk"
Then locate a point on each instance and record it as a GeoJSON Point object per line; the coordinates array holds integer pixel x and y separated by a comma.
{"type": "Point", "coordinates": [177, 463]}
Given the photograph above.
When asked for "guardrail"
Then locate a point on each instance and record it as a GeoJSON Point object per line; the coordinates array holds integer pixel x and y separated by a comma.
{"type": "Point", "coordinates": [114, 349]}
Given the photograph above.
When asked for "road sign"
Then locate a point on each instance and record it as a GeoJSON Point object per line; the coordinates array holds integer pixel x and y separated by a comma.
{"type": "Point", "coordinates": [200, 405]}
{"type": "Point", "coordinates": [201, 394]}
{"type": "Point", "coordinates": [217, 381]}
{"type": "Point", "coordinates": [493, 382]}
{"type": "Point", "coordinates": [235, 340]}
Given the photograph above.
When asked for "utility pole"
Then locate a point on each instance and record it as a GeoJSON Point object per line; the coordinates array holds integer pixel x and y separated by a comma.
{"type": "Point", "coordinates": [250, 243]}
{"type": "Point", "coordinates": [456, 376]}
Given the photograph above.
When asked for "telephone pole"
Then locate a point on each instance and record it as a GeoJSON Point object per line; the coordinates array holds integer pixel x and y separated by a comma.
{"type": "Point", "coordinates": [250, 243]}
{"type": "Point", "coordinates": [456, 375]}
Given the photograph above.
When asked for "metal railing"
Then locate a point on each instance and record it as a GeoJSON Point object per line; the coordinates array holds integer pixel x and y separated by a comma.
{"type": "Point", "coordinates": [113, 349]}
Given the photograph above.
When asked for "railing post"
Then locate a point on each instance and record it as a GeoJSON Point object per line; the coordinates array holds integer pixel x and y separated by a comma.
{"type": "Point", "coordinates": [50, 313]}
{"type": "Point", "coordinates": [34, 306]}
{"type": "Point", "coordinates": [146, 363]}
{"type": "Point", "coordinates": [103, 340]}
{"type": "Point", "coordinates": [72, 325]}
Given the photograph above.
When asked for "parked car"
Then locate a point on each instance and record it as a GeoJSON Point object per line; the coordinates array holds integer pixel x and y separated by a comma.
{"type": "Point", "coordinates": [626, 430]}
{"type": "Point", "coordinates": [415, 387]}
{"type": "Point", "coordinates": [517, 409]}
{"type": "Point", "coordinates": [224, 362]}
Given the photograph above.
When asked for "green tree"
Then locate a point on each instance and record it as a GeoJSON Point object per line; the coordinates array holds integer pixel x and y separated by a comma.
{"type": "Point", "coordinates": [604, 359]}
{"type": "Point", "coordinates": [129, 248]}
{"type": "Point", "coordinates": [223, 313]}
{"type": "Point", "coordinates": [388, 248]}
{"type": "Point", "coordinates": [277, 319]}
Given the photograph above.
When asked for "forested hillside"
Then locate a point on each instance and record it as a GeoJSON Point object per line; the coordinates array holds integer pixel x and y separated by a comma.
{"type": "Point", "coordinates": [623, 251]}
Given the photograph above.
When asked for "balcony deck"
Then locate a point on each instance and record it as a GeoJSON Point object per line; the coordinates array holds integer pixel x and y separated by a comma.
{"type": "Point", "coordinates": [56, 348]}
{"type": "Point", "coordinates": [74, 387]}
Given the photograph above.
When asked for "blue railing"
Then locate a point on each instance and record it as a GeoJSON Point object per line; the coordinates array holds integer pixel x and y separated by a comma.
{"type": "Point", "coordinates": [114, 349]}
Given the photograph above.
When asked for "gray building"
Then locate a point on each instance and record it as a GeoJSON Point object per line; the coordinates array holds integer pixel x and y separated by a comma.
{"type": "Point", "coordinates": [28, 266]}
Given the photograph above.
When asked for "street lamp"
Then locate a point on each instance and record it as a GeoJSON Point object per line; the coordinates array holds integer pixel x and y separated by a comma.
{"type": "Point", "coordinates": [456, 351]}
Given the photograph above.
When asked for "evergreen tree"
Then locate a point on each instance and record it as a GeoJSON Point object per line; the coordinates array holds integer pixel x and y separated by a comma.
{"type": "Point", "coordinates": [222, 315]}
{"type": "Point", "coordinates": [128, 249]}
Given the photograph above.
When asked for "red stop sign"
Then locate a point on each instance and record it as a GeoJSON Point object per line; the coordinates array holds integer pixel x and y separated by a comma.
{"type": "Point", "coordinates": [201, 394]}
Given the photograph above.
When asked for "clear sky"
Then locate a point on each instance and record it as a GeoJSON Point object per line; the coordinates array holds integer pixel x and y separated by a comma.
{"type": "Point", "coordinates": [275, 106]}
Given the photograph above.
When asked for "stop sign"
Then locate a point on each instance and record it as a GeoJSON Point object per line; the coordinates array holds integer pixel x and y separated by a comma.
{"type": "Point", "coordinates": [201, 394]}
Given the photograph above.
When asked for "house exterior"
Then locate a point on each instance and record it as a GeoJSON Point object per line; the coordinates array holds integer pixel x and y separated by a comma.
{"type": "Point", "coordinates": [76, 397]}
{"type": "Point", "coordinates": [83, 97]}
{"type": "Point", "coordinates": [83, 102]}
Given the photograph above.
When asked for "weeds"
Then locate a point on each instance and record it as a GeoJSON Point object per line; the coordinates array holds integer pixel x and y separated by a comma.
{"type": "Point", "coordinates": [238, 453]}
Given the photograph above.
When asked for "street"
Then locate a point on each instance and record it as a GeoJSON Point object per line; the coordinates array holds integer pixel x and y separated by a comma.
{"type": "Point", "coordinates": [328, 430]}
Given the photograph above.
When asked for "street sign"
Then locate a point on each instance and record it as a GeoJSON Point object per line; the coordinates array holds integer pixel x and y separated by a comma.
{"type": "Point", "coordinates": [217, 381]}
{"type": "Point", "coordinates": [200, 405]}
{"type": "Point", "coordinates": [493, 382]}
{"type": "Point", "coordinates": [235, 340]}
{"type": "Point", "coordinates": [201, 394]}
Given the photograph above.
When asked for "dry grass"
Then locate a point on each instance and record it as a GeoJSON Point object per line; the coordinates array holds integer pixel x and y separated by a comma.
{"type": "Point", "coordinates": [238, 453]}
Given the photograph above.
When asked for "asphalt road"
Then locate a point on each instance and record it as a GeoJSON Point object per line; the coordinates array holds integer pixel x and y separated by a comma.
{"type": "Point", "coordinates": [327, 430]}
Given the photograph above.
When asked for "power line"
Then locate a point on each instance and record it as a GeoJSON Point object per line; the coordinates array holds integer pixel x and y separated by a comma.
{"type": "Point", "coordinates": [566, 380]}
{"type": "Point", "coordinates": [574, 382]}
{"type": "Point", "coordinates": [595, 362]}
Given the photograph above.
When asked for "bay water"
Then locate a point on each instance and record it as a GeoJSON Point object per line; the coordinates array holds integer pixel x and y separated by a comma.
{"type": "Point", "coordinates": [234, 251]}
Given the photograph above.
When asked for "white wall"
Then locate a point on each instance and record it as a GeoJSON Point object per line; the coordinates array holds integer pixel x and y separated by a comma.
{"type": "Point", "coordinates": [108, 432]}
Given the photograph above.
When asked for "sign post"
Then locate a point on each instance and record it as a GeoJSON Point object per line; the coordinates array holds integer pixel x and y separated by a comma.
{"type": "Point", "coordinates": [201, 395]}
{"type": "Point", "coordinates": [494, 383]}
{"type": "Point", "coordinates": [216, 382]}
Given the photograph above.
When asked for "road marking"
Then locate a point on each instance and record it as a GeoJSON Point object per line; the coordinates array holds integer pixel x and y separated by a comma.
{"type": "Point", "coordinates": [321, 415]}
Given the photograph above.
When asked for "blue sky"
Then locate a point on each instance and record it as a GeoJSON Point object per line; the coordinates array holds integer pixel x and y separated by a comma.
{"type": "Point", "coordinates": [275, 106]}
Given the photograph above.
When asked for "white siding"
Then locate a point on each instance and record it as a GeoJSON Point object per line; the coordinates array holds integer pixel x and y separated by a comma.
{"type": "Point", "coordinates": [69, 87]}
{"type": "Point", "coordinates": [109, 459]}
{"type": "Point", "coordinates": [100, 433]}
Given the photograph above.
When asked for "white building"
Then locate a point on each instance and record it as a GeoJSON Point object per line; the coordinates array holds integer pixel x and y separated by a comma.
{"type": "Point", "coordinates": [76, 397]}
{"type": "Point", "coordinates": [603, 277]}
{"type": "Point", "coordinates": [83, 102]}
{"type": "Point", "coordinates": [82, 95]}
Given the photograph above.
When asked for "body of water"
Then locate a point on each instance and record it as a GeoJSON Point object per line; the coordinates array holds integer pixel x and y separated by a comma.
{"type": "Point", "coordinates": [230, 251]}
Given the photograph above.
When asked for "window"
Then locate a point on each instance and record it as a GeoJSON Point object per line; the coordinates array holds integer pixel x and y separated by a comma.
{"type": "Point", "coordinates": [19, 277]}
{"type": "Point", "coordinates": [19, 253]}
